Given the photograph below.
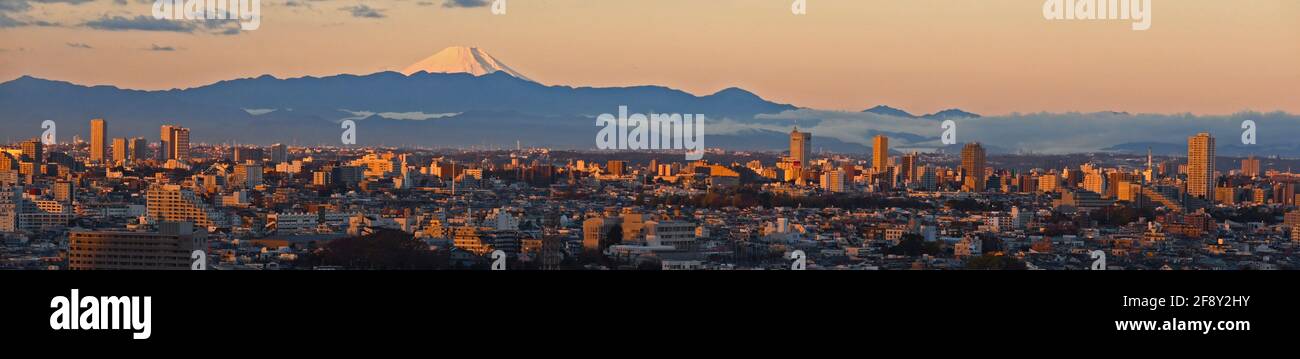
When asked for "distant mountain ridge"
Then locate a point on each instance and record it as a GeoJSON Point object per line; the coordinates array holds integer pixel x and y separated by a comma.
{"type": "Point", "coordinates": [308, 109]}
{"type": "Point", "coordinates": [949, 113]}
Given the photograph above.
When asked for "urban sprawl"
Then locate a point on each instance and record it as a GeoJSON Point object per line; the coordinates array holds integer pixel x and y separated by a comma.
{"type": "Point", "coordinates": [137, 203]}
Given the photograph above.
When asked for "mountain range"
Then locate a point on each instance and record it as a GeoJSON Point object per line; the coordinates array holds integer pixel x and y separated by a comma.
{"type": "Point", "coordinates": [429, 109]}
{"type": "Point", "coordinates": [945, 114]}
{"type": "Point", "coordinates": [461, 96]}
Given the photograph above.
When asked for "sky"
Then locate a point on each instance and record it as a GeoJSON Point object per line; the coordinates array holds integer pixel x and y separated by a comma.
{"type": "Point", "coordinates": [993, 57]}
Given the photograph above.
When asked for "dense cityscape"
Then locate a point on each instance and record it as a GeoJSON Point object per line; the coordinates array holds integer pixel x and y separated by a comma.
{"type": "Point", "coordinates": [137, 203]}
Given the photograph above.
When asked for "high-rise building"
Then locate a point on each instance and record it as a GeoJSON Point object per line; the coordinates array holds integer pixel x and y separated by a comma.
{"type": "Point", "coordinates": [64, 191]}
{"type": "Point", "coordinates": [880, 153]}
{"type": "Point", "coordinates": [175, 143]}
{"type": "Point", "coordinates": [1291, 219]}
{"type": "Point", "coordinates": [801, 147]}
{"type": "Point", "coordinates": [907, 167]}
{"type": "Point", "coordinates": [173, 203]}
{"type": "Point", "coordinates": [8, 163]}
{"type": "Point", "coordinates": [246, 154]}
{"type": "Point", "coordinates": [833, 181]}
{"type": "Point", "coordinates": [1250, 167]}
{"type": "Point", "coordinates": [33, 150]}
{"type": "Point", "coordinates": [616, 168]}
{"type": "Point", "coordinates": [800, 154]}
{"type": "Point", "coordinates": [1050, 182]}
{"type": "Point", "coordinates": [168, 249]}
{"type": "Point", "coordinates": [345, 176]}
{"type": "Point", "coordinates": [166, 143]}
{"type": "Point", "coordinates": [279, 153]}
{"type": "Point", "coordinates": [98, 140]}
{"type": "Point", "coordinates": [973, 160]}
{"type": "Point", "coordinates": [926, 178]}
{"type": "Point", "coordinates": [139, 148]}
{"type": "Point", "coordinates": [182, 147]}
{"type": "Point", "coordinates": [1200, 166]}
{"type": "Point", "coordinates": [120, 152]}
{"type": "Point", "coordinates": [248, 175]}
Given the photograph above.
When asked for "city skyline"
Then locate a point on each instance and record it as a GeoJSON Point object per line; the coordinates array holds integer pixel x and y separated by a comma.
{"type": "Point", "coordinates": [190, 203]}
{"type": "Point", "coordinates": [171, 161]}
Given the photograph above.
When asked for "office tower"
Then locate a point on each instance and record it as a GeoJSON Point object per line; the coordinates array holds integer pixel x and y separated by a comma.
{"type": "Point", "coordinates": [1200, 166]}
{"type": "Point", "coordinates": [182, 147]}
{"type": "Point", "coordinates": [245, 154]}
{"type": "Point", "coordinates": [120, 153]}
{"type": "Point", "coordinates": [801, 147]}
{"type": "Point", "coordinates": [175, 143]}
{"type": "Point", "coordinates": [173, 203]}
{"type": "Point", "coordinates": [880, 153]}
{"type": "Point", "coordinates": [973, 160]}
{"type": "Point", "coordinates": [616, 168]}
{"type": "Point", "coordinates": [33, 150]}
{"type": "Point", "coordinates": [98, 140]}
{"type": "Point", "coordinates": [1250, 167]}
{"type": "Point", "coordinates": [926, 178]}
{"type": "Point", "coordinates": [279, 153]}
{"type": "Point", "coordinates": [165, 146]}
{"type": "Point", "coordinates": [168, 249]}
{"type": "Point", "coordinates": [139, 149]}
{"type": "Point", "coordinates": [907, 167]}
{"type": "Point", "coordinates": [800, 154]}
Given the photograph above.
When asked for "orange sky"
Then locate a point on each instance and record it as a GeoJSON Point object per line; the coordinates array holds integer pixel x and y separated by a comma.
{"type": "Point", "coordinates": [988, 56]}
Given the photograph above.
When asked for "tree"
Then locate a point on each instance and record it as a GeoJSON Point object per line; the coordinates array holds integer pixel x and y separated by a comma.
{"type": "Point", "coordinates": [992, 262]}
{"type": "Point", "coordinates": [913, 245]}
{"type": "Point", "coordinates": [385, 249]}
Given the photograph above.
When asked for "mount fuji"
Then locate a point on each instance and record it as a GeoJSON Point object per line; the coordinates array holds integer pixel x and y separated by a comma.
{"type": "Point", "coordinates": [457, 97]}
{"type": "Point", "coordinates": [461, 59]}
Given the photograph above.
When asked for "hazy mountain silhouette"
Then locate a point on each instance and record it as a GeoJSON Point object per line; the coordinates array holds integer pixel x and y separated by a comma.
{"type": "Point", "coordinates": [493, 107]}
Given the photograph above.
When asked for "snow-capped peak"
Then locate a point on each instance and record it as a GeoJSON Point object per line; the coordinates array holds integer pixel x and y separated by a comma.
{"type": "Point", "coordinates": [461, 59]}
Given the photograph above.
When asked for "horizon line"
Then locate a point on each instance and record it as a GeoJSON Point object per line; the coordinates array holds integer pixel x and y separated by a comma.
{"type": "Point", "coordinates": [797, 107]}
